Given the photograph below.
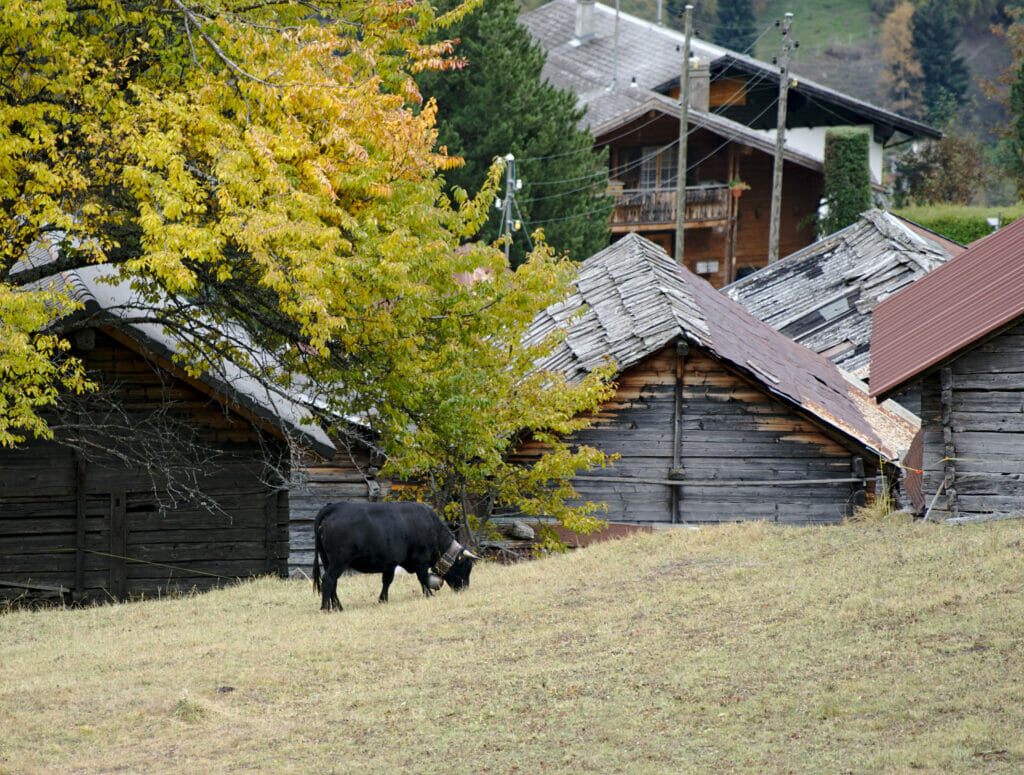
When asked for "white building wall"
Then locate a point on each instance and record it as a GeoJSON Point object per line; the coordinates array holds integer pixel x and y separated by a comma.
{"type": "Point", "coordinates": [811, 141]}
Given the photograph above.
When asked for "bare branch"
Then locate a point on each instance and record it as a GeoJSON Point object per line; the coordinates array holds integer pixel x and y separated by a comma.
{"type": "Point", "coordinates": [228, 61]}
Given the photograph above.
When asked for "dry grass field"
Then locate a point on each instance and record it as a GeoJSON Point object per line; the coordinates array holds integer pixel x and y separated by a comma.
{"type": "Point", "coordinates": [864, 648]}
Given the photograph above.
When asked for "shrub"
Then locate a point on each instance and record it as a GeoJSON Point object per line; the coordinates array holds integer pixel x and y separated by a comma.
{"type": "Point", "coordinates": [847, 177]}
{"type": "Point", "coordinates": [960, 223]}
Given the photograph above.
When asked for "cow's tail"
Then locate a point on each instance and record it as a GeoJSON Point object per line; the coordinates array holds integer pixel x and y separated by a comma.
{"type": "Point", "coordinates": [317, 548]}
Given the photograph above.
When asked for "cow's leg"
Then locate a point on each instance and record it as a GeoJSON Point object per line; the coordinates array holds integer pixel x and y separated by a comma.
{"type": "Point", "coordinates": [329, 589]}
{"type": "Point", "coordinates": [424, 576]}
{"type": "Point", "coordinates": [386, 578]}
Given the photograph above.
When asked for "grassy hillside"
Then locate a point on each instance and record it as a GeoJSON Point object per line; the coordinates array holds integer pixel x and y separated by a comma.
{"type": "Point", "coordinates": [860, 648]}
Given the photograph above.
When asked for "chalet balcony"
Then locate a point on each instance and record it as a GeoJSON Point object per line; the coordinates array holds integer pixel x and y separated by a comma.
{"type": "Point", "coordinates": [705, 205]}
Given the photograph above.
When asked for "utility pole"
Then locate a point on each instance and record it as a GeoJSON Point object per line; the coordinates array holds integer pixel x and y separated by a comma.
{"type": "Point", "coordinates": [780, 141]}
{"type": "Point", "coordinates": [512, 184]}
{"type": "Point", "coordinates": [684, 125]}
{"type": "Point", "coordinates": [505, 205]}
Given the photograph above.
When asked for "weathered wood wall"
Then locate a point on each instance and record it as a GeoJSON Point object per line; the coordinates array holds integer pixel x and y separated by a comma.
{"type": "Point", "coordinates": [735, 432]}
{"type": "Point", "coordinates": [749, 229]}
{"type": "Point", "coordinates": [972, 415]}
{"type": "Point", "coordinates": [350, 476]}
{"type": "Point", "coordinates": [96, 525]}
{"type": "Point", "coordinates": [729, 433]}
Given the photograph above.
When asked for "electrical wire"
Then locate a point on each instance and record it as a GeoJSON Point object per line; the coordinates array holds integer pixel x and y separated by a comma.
{"type": "Point", "coordinates": [758, 78]}
{"type": "Point", "coordinates": [630, 166]}
{"type": "Point", "coordinates": [598, 174]}
{"type": "Point", "coordinates": [689, 168]}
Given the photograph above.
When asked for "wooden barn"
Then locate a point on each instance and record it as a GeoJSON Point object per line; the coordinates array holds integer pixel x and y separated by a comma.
{"type": "Point", "coordinates": [959, 333]}
{"type": "Point", "coordinates": [350, 474]}
{"type": "Point", "coordinates": [823, 297]}
{"type": "Point", "coordinates": [717, 416]}
{"type": "Point", "coordinates": [159, 481]}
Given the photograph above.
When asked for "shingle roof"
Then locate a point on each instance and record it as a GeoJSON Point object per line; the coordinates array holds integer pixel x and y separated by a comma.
{"type": "Point", "coordinates": [626, 47]}
{"type": "Point", "coordinates": [936, 317]}
{"type": "Point", "coordinates": [823, 295]}
{"type": "Point", "coordinates": [117, 305]}
{"type": "Point", "coordinates": [632, 299]}
{"type": "Point", "coordinates": [720, 125]}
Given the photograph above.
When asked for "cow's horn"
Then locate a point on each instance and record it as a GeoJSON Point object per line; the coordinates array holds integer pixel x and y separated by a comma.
{"type": "Point", "coordinates": [469, 554]}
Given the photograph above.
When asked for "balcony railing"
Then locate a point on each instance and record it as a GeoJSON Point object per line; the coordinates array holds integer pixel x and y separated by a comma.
{"type": "Point", "coordinates": [639, 206]}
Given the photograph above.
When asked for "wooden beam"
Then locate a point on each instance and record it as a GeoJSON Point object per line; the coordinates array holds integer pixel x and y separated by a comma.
{"type": "Point", "coordinates": [717, 482]}
{"type": "Point", "coordinates": [860, 496]}
{"type": "Point", "coordinates": [682, 350]}
{"type": "Point", "coordinates": [80, 520]}
{"type": "Point", "coordinates": [948, 444]}
{"type": "Point", "coordinates": [118, 545]}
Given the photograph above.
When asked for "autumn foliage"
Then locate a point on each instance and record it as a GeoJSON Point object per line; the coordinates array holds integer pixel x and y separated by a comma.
{"type": "Point", "coordinates": [271, 164]}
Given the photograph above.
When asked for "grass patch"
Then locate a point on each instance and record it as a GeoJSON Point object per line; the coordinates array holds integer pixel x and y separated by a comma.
{"type": "Point", "coordinates": [821, 26]}
{"type": "Point", "coordinates": [866, 647]}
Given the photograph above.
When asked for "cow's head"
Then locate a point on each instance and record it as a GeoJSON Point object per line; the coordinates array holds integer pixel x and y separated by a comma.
{"type": "Point", "coordinates": [457, 576]}
{"type": "Point", "coordinates": [455, 566]}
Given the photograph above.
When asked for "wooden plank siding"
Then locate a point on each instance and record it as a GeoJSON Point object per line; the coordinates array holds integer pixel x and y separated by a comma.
{"type": "Point", "coordinates": [349, 476]}
{"type": "Point", "coordinates": [98, 525]}
{"type": "Point", "coordinates": [735, 432]}
{"type": "Point", "coordinates": [730, 431]}
{"type": "Point", "coordinates": [979, 418]}
{"type": "Point", "coordinates": [736, 234]}
{"type": "Point", "coordinates": [801, 191]}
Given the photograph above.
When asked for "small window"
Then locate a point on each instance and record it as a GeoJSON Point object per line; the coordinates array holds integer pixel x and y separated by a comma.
{"type": "Point", "coordinates": [707, 267]}
{"type": "Point", "coordinates": [649, 168]}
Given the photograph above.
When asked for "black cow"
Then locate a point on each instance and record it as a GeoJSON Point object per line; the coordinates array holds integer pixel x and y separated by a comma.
{"type": "Point", "coordinates": [375, 537]}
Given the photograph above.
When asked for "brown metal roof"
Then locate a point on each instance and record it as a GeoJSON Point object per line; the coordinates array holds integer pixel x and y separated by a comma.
{"type": "Point", "coordinates": [945, 311]}
{"type": "Point", "coordinates": [632, 299]}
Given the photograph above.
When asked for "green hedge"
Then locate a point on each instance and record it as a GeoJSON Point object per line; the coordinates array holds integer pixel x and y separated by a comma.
{"type": "Point", "coordinates": [963, 224]}
{"type": "Point", "coordinates": [847, 177]}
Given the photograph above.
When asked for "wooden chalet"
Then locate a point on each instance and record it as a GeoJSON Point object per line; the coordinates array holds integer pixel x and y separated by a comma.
{"type": "Point", "coordinates": [959, 333]}
{"type": "Point", "coordinates": [161, 481]}
{"type": "Point", "coordinates": [626, 72]}
{"type": "Point", "coordinates": [717, 416]}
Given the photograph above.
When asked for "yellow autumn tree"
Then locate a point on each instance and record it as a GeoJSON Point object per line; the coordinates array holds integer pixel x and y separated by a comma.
{"type": "Point", "coordinates": [902, 75]}
{"type": "Point", "coordinates": [272, 161]}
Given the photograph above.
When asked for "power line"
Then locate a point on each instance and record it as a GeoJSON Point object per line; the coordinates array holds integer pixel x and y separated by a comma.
{"type": "Point", "coordinates": [757, 79]}
{"type": "Point", "coordinates": [690, 167]}
{"type": "Point", "coordinates": [597, 174]}
{"type": "Point", "coordinates": [630, 166]}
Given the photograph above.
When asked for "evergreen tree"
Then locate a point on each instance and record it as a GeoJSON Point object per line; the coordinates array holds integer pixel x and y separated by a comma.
{"type": "Point", "coordinates": [946, 76]}
{"type": "Point", "coordinates": [496, 105]}
{"type": "Point", "coordinates": [735, 28]}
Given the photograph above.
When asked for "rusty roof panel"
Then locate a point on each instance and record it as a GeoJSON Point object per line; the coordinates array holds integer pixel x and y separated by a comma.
{"type": "Point", "coordinates": [947, 310]}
